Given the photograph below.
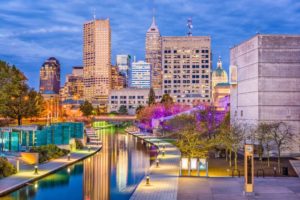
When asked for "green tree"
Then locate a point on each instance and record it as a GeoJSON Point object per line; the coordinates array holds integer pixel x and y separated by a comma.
{"type": "Point", "coordinates": [139, 109]}
{"type": "Point", "coordinates": [151, 97]}
{"type": "Point", "coordinates": [123, 110]}
{"type": "Point", "coordinates": [17, 100]}
{"type": "Point", "coordinates": [166, 98]}
{"type": "Point", "coordinates": [86, 108]}
{"type": "Point", "coordinates": [6, 168]}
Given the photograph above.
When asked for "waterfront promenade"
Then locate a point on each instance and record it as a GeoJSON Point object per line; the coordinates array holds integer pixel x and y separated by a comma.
{"type": "Point", "coordinates": [163, 179]}
{"type": "Point", "coordinates": [24, 177]}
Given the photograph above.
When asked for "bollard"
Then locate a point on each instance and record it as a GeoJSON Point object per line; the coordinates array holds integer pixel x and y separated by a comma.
{"type": "Point", "coordinates": [163, 153]}
{"type": "Point", "coordinates": [69, 156]}
{"type": "Point", "coordinates": [89, 148]}
{"type": "Point", "coordinates": [36, 170]}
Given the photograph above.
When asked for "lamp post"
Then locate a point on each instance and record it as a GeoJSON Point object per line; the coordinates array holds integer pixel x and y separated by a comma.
{"type": "Point", "coordinates": [89, 148]}
{"type": "Point", "coordinates": [157, 162]}
{"type": "Point", "coordinates": [163, 153]}
{"type": "Point", "coordinates": [147, 180]}
{"type": "Point", "coordinates": [36, 170]}
{"type": "Point", "coordinates": [69, 156]}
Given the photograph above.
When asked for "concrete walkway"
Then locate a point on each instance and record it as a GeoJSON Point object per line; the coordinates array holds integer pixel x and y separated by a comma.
{"type": "Point", "coordinates": [280, 188]}
{"type": "Point", "coordinates": [163, 179]}
{"type": "Point", "coordinates": [24, 177]}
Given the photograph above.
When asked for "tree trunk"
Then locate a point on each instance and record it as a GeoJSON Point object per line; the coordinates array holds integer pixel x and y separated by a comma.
{"type": "Point", "coordinates": [268, 155]}
{"type": "Point", "coordinates": [230, 158]}
{"type": "Point", "coordinates": [278, 160]}
{"type": "Point", "coordinates": [226, 154]}
{"type": "Point", "coordinates": [19, 120]}
{"type": "Point", "coordinates": [235, 160]}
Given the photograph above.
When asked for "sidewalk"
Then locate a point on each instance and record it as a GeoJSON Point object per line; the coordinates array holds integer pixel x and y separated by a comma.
{"type": "Point", "coordinates": [163, 179]}
{"type": "Point", "coordinates": [23, 177]}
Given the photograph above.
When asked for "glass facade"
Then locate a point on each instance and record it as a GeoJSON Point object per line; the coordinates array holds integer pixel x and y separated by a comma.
{"type": "Point", "coordinates": [18, 139]}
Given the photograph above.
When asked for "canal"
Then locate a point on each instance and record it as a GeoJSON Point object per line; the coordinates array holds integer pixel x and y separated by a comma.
{"type": "Point", "coordinates": [113, 173]}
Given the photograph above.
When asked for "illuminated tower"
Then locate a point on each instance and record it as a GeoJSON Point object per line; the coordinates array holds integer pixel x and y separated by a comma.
{"type": "Point", "coordinates": [50, 76]}
{"type": "Point", "coordinates": [153, 54]}
{"type": "Point", "coordinates": [96, 60]}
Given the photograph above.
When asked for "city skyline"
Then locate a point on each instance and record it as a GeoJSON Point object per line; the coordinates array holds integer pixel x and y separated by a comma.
{"type": "Point", "coordinates": [38, 30]}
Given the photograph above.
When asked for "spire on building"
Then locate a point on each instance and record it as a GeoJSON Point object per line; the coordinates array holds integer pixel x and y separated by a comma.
{"type": "Point", "coordinates": [153, 27]}
{"type": "Point", "coordinates": [219, 63]}
{"type": "Point", "coordinates": [189, 26]}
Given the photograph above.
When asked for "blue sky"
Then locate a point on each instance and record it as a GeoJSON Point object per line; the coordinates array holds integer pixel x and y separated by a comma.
{"type": "Point", "coordinates": [31, 30]}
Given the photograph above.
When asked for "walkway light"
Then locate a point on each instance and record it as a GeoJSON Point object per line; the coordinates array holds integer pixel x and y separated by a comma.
{"type": "Point", "coordinates": [36, 170]}
{"type": "Point", "coordinates": [147, 180]}
{"type": "Point", "coordinates": [89, 148]}
{"type": "Point", "coordinates": [69, 170]}
{"type": "Point", "coordinates": [164, 146]}
{"type": "Point", "coordinates": [157, 162]}
{"type": "Point", "coordinates": [163, 152]}
{"type": "Point", "coordinates": [69, 156]}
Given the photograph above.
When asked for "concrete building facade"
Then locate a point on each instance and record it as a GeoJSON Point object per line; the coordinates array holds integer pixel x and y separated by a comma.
{"type": "Point", "coordinates": [131, 98]}
{"type": "Point", "coordinates": [123, 63]}
{"type": "Point", "coordinates": [187, 64]}
{"type": "Point", "coordinates": [268, 81]}
{"type": "Point", "coordinates": [97, 60]}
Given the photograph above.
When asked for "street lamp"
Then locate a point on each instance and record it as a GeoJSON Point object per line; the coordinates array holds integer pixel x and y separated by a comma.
{"type": "Point", "coordinates": [147, 180]}
{"type": "Point", "coordinates": [69, 156]}
{"type": "Point", "coordinates": [36, 170]}
{"type": "Point", "coordinates": [163, 153]}
{"type": "Point", "coordinates": [157, 162]}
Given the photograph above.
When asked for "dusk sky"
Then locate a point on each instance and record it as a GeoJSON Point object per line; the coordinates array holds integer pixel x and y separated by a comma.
{"type": "Point", "coordinates": [31, 30]}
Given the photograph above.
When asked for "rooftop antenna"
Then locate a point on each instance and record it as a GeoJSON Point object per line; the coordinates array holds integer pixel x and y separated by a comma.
{"type": "Point", "coordinates": [94, 14]}
{"type": "Point", "coordinates": [189, 26]}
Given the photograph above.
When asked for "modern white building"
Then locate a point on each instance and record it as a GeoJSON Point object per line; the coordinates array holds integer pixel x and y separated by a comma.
{"type": "Point", "coordinates": [265, 81]}
{"type": "Point", "coordinates": [140, 75]}
{"type": "Point", "coordinates": [131, 98]}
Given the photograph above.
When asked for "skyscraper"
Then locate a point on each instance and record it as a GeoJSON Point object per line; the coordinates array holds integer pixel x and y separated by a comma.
{"type": "Point", "coordinates": [153, 54]}
{"type": "Point", "coordinates": [96, 60]}
{"type": "Point", "coordinates": [187, 68]}
{"type": "Point", "coordinates": [50, 76]}
{"type": "Point", "coordinates": [140, 75]}
{"type": "Point", "coordinates": [123, 64]}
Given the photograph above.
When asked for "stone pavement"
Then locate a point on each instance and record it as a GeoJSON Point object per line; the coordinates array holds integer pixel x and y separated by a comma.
{"type": "Point", "coordinates": [163, 179]}
{"type": "Point", "coordinates": [280, 188]}
{"type": "Point", "coordinates": [24, 177]}
{"type": "Point", "coordinates": [296, 166]}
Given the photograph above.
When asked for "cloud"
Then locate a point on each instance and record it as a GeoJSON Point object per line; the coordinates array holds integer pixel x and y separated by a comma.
{"type": "Point", "coordinates": [33, 30]}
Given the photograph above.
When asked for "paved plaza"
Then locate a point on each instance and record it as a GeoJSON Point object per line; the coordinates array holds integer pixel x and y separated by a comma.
{"type": "Point", "coordinates": [192, 188]}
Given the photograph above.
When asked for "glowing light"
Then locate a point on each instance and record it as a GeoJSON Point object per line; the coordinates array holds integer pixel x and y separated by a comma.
{"type": "Point", "coordinates": [36, 185]}
{"type": "Point", "coordinates": [184, 163]}
{"type": "Point", "coordinates": [193, 163]}
{"type": "Point", "coordinates": [69, 170]}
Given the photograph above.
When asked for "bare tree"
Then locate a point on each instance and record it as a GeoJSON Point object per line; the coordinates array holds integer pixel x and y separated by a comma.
{"type": "Point", "coordinates": [236, 137]}
{"type": "Point", "coordinates": [281, 135]}
{"type": "Point", "coordinates": [263, 136]}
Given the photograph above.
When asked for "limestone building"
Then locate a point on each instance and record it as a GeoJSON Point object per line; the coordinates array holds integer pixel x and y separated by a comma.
{"type": "Point", "coordinates": [187, 68]}
{"type": "Point", "coordinates": [153, 54]}
{"type": "Point", "coordinates": [266, 81]}
{"type": "Point", "coordinates": [97, 61]}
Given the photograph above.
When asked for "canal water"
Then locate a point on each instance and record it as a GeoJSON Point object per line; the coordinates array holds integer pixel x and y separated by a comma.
{"type": "Point", "coordinates": [113, 173]}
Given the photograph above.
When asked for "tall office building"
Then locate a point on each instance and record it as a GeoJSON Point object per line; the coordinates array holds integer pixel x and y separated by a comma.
{"type": "Point", "coordinates": [117, 79]}
{"type": "Point", "coordinates": [123, 64]}
{"type": "Point", "coordinates": [50, 76]}
{"type": "Point", "coordinates": [73, 88]}
{"type": "Point", "coordinates": [140, 75]}
{"type": "Point", "coordinates": [187, 68]}
{"type": "Point", "coordinates": [265, 86]}
{"type": "Point", "coordinates": [96, 60]}
{"type": "Point", "coordinates": [153, 54]}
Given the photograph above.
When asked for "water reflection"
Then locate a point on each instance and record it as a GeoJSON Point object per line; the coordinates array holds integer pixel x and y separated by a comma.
{"type": "Point", "coordinates": [113, 173]}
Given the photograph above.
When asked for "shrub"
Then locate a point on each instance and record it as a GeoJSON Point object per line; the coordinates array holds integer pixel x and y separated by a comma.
{"type": "Point", "coordinates": [48, 152]}
{"type": "Point", "coordinates": [79, 144]}
{"type": "Point", "coordinates": [6, 168]}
